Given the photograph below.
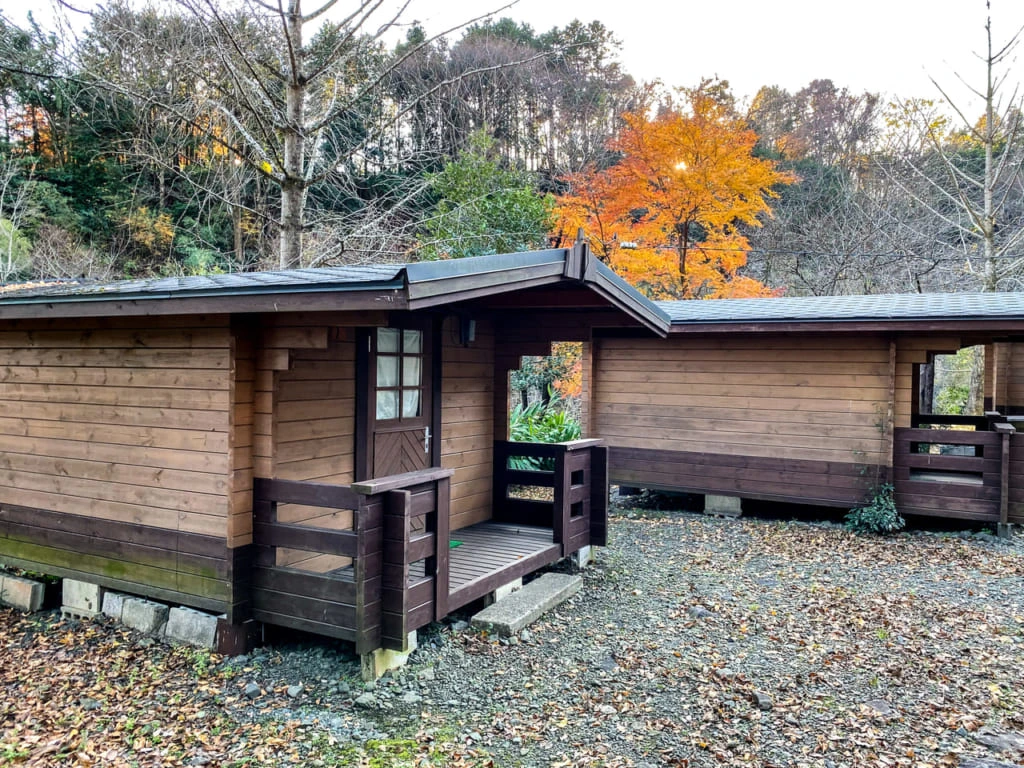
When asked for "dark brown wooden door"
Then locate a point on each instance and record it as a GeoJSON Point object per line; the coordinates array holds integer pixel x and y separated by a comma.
{"type": "Point", "coordinates": [399, 401]}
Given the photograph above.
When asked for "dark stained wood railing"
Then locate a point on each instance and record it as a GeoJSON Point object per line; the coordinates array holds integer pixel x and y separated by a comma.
{"type": "Point", "coordinates": [942, 420]}
{"type": "Point", "coordinates": [577, 474]}
{"type": "Point", "coordinates": [371, 598]}
{"type": "Point", "coordinates": [949, 473]}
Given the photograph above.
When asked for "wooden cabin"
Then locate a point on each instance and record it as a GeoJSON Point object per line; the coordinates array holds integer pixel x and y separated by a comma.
{"type": "Point", "coordinates": [815, 401]}
{"type": "Point", "coordinates": [322, 449]}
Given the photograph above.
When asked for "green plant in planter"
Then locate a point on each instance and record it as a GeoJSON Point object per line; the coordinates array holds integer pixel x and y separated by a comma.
{"type": "Point", "coordinates": [878, 515]}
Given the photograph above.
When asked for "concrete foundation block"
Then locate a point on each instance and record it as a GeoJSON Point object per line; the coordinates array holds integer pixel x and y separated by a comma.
{"type": "Point", "coordinates": [81, 598]}
{"type": "Point", "coordinates": [583, 557]}
{"type": "Point", "coordinates": [144, 615]}
{"type": "Point", "coordinates": [516, 611]}
{"type": "Point", "coordinates": [503, 591]}
{"type": "Point", "coordinates": [724, 506]}
{"type": "Point", "coordinates": [113, 604]}
{"type": "Point", "coordinates": [22, 594]}
{"type": "Point", "coordinates": [192, 627]}
{"type": "Point", "coordinates": [376, 663]}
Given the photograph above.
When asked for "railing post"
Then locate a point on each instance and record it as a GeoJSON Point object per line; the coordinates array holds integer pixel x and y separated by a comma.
{"type": "Point", "coordinates": [442, 533]}
{"type": "Point", "coordinates": [599, 496]}
{"type": "Point", "coordinates": [1004, 430]}
{"type": "Point", "coordinates": [563, 482]}
{"type": "Point", "coordinates": [499, 475]}
{"type": "Point", "coordinates": [368, 574]}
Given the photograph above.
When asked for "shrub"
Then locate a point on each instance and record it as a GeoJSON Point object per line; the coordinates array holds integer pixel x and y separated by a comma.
{"type": "Point", "coordinates": [541, 423]}
{"type": "Point", "coordinates": [879, 515]}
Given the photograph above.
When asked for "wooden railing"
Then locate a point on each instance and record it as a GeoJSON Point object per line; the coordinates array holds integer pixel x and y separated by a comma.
{"type": "Point", "coordinates": [942, 420]}
{"type": "Point", "coordinates": [952, 473]}
{"type": "Point", "coordinates": [371, 592]}
{"type": "Point", "coordinates": [577, 474]}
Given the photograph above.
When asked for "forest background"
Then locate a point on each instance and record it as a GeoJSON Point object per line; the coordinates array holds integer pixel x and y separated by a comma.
{"type": "Point", "coordinates": [193, 137]}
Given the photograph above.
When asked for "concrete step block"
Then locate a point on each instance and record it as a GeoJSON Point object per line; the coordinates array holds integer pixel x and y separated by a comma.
{"type": "Point", "coordinates": [509, 616]}
{"type": "Point", "coordinates": [81, 598]}
{"type": "Point", "coordinates": [21, 593]}
{"type": "Point", "coordinates": [144, 615]}
{"type": "Point", "coordinates": [192, 627]}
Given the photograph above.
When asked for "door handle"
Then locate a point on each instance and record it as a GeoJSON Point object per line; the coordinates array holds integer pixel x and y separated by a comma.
{"type": "Point", "coordinates": [426, 439]}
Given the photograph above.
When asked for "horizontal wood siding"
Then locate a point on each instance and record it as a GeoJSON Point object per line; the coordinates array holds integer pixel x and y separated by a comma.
{"type": "Point", "coordinates": [467, 414]}
{"type": "Point", "coordinates": [781, 418]}
{"type": "Point", "coordinates": [129, 424]}
{"type": "Point", "coordinates": [313, 427]}
{"type": "Point", "coordinates": [116, 461]}
{"type": "Point", "coordinates": [810, 398]}
{"type": "Point", "coordinates": [240, 457]}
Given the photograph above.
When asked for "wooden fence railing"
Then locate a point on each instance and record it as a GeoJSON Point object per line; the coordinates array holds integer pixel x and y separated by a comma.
{"type": "Point", "coordinates": [940, 420]}
{"type": "Point", "coordinates": [577, 474]}
{"type": "Point", "coordinates": [370, 596]}
{"type": "Point", "coordinates": [953, 473]}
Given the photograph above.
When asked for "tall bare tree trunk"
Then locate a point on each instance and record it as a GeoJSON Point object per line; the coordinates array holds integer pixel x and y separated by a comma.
{"type": "Point", "coordinates": [293, 186]}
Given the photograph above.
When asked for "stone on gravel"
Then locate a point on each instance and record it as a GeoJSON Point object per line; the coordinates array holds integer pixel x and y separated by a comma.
{"type": "Point", "coordinates": [698, 612]}
{"type": "Point", "coordinates": [879, 707]}
{"type": "Point", "coordinates": [367, 700]}
{"type": "Point", "coordinates": [608, 664]}
{"type": "Point", "coordinates": [89, 704]}
{"type": "Point", "coordinates": [410, 697]}
{"type": "Point", "coordinates": [294, 691]}
{"type": "Point", "coordinates": [509, 616]}
{"type": "Point", "coordinates": [1000, 741]}
{"type": "Point", "coordinates": [252, 691]}
{"type": "Point", "coordinates": [427, 674]}
{"type": "Point", "coordinates": [724, 673]}
{"type": "Point", "coordinates": [460, 626]}
{"type": "Point", "coordinates": [762, 701]}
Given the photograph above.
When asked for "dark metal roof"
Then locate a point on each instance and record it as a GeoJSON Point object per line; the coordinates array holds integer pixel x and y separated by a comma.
{"type": "Point", "coordinates": [838, 309]}
{"type": "Point", "coordinates": [387, 286]}
{"type": "Point", "coordinates": [236, 283]}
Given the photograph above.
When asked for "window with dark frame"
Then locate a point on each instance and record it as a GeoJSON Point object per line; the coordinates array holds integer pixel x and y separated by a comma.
{"type": "Point", "coordinates": [399, 387]}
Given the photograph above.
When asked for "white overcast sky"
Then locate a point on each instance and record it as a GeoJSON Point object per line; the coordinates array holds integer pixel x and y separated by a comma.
{"type": "Point", "coordinates": [886, 46]}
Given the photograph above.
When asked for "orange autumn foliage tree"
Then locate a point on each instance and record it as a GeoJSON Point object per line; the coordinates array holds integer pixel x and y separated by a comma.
{"type": "Point", "coordinates": [665, 216]}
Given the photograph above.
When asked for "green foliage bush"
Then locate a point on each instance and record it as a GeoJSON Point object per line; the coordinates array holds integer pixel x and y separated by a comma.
{"type": "Point", "coordinates": [879, 515]}
{"type": "Point", "coordinates": [541, 423]}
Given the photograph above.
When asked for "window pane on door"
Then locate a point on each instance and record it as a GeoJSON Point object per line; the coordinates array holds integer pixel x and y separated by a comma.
{"type": "Point", "coordinates": [413, 341]}
{"type": "Point", "coordinates": [410, 403]}
{"type": "Point", "coordinates": [411, 371]}
{"type": "Point", "coordinates": [387, 371]}
{"type": "Point", "coordinates": [387, 404]}
{"type": "Point", "coordinates": [387, 340]}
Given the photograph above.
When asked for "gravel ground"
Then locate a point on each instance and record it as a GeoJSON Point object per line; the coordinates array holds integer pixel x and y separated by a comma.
{"type": "Point", "coordinates": [701, 641]}
{"type": "Point", "coordinates": [695, 641]}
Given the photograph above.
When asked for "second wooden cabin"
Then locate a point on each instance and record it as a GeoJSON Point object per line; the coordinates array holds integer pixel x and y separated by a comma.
{"type": "Point", "coordinates": [815, 401]}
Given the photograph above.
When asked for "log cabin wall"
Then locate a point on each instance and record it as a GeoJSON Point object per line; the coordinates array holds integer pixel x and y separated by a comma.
{"type": "Point", "coordinates": [790, 418]}
{"type": "Point", "coordinates": [114, 453]}
{"type": "Point", "coordinates": [305, 421]}
{"type": "Point", "coordinates": [467, 417]}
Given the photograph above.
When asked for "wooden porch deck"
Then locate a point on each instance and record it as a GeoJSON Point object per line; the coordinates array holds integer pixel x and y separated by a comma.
{"type": "Point", "coordinates": [490, 555]}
